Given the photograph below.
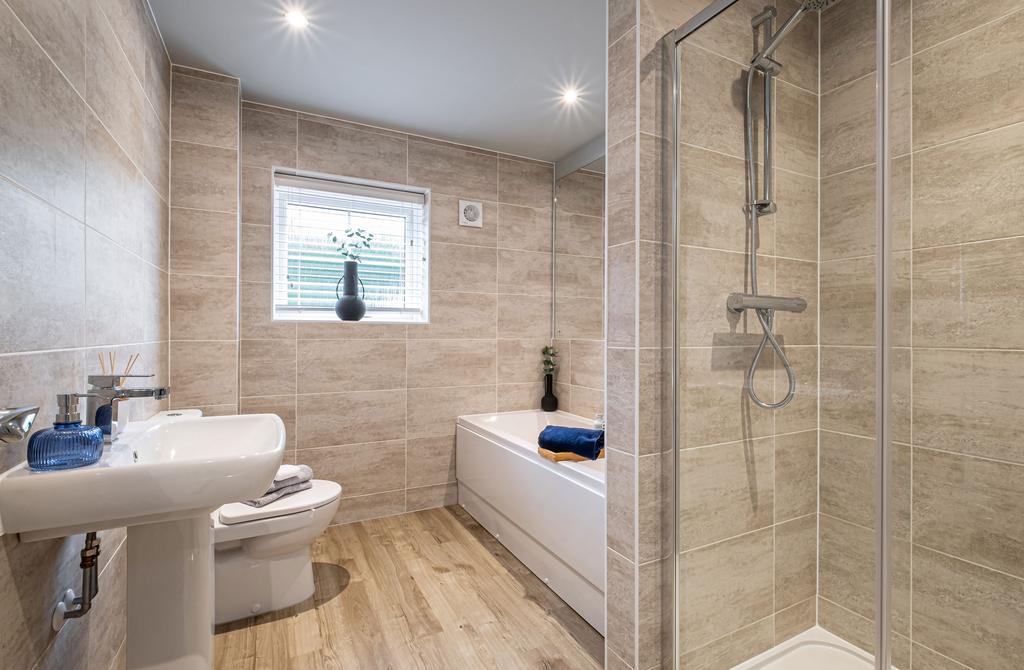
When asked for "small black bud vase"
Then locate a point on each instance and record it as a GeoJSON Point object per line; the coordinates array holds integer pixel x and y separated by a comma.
{"type": "Point", "coordinates": [549, 403]}
{"type": "Point", "coordinates": [350, 306]}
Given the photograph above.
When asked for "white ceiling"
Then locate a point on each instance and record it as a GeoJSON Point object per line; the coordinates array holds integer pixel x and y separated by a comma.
{"type": "Point", "coordinates": [487, 73]}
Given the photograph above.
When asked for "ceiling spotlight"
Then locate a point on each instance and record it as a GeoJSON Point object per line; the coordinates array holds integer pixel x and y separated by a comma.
{"type": "Point", "coordinates": [296, 19]}
{"type": "Point", "coordinates": [570, 96]}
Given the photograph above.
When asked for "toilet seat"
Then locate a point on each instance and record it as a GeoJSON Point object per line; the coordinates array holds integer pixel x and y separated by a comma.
{"type": "Point", "coordinates": [237, 521]}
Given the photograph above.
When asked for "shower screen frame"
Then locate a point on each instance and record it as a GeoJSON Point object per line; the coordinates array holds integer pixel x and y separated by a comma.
{"type": "Point", "coordinates": [883, 329]}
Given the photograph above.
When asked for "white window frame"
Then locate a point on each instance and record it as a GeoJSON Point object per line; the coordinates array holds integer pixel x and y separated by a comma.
{"type": "Point", "coordinates": [279, 247]}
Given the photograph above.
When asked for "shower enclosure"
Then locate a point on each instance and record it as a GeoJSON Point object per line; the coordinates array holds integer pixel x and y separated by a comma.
{"type": "Point", "coordinates": [846, 184]}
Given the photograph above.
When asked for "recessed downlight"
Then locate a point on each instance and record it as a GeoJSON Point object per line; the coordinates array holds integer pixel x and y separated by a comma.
{"type": "Point", "coordinates": [296, 19]}
{"type": "Point", "coordinates": [570, 96]}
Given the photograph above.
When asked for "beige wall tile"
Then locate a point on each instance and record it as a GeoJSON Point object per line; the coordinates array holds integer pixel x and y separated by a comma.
{"type": "Point", "coordinates": [520, 361]}
{"type": "Point", "coordinates": [949, 592]}
{"type": "Point", "coordinates": [581, 192]}
{"type": "Point", "coordinates": [966, 402]}
{"type": "Point", "coordinates": [524, 272]}
{"type": "Point", "coordinates": [524, 316]}
{"type": "Point", "coordinates": [336, 366]}
{"type": "Point", "coordinates": [266, 367]}
{"type": "Point", "coordinates": [37, 312]}
{"type": "Point", "coordinates": [621, 192]}
{"type": "Point", "coordinates": [847, 560]}
{"type": "Point", "coordinates": [799, 51]}
{"type": "Point", "coordinates": [622, 88]}
{"type": "Point", "coordinates": [203, 373]}
{"type": "Point", "coordinates": [620, 596]}
{"type": "Point", "coordinates": [331, 419]}
{"type": "Point", "coordinates": [515, 397]}
{"type": "Point", "coordinates": [621, 295]}
{"type": "Point", "coordinates": [59, 27]}
{"type": "Point", "coordinates": [847, 127]}
{"type": "Point", "coordinates": [255, 261]}
{"type": "Point", "coordinates": [256, 196]}
{"type": "Point", "coordinates": [970, 286]}
{"type": "Point", "coordinates": [456, 267]}
{"type": "Point", "coordinates": [848, 390]}
{"type": "Point", "coordinates": [579, 234]}
{"type": "Point", "coordinates": [525, 228]}
{"type": "Point", "coordinates": [729, 34]}
{"type": "Point", "coordinates": [119, 201]}
{"type": "Point", "coordinates": [579, 276]}
{"type": "Point", "coordinates": [847, 42]}
{"type": "Point", "coordinates": [577, 318]}
{"type": "Point", "coordinates": [970, 508]}
{"type": "Point", "coordinates": [436, 363]}
{"type": "Point", "coordinates": [269, 137]}
{"type": "Point", "coordinates": [203, 308]}
{"type": "Point", "coordinates": [281, 405]}
{"type": "Point", "coordinates": [621, 382]}
{"type": "Point", "coordinates": [621, 500]}
{"type": "Point", "coordinates": [802, 412]}
{"type": "Point", "coordinates": [586, 402]}
{"type": "Point", "coordinates": [204, 177]}
{"type": "Point", "coordinates": [712, 398]}
{"type": "Point", "coordinates": [711, 117]}
{"type": "Point", "coordinates": [444, 222]}
{"type": "Point", "coordinates": [655, 154]}
{"type": "Point", "coordinates": [709, 278]}
{"type": "Point", "coordinates": [458, 316]}
{"type": "Point", "coordinates": [525, 182]}
{"type": "Point", "coordinates": [797, 278]}
{"type": "Point", "coordinates": [796, 148]}
{"type": "Point", "coordinates": [587, 363]}
{"type": "Point", "coordinates": [204, 243]}
{"type": "Point", "coordinates": [967, 85]}
{"type": "Point", "coordinates": [848, 302]}
{"type": "Point", "coordinates": [796, 475]}
{"type": "Point", "coordinates": [796, 562]}
{"type": "Point", "coordinates": [350, 330]}
{"type": "Point", "coordinates": [361, 469]}
{"type": "Point", "coordinates": [794, 620]}
{"type": "Point", "coordinates": [427, 497]}
{"type": "Point", "coordinates": [347, 152]}
{"type": "Point", "coordinates": [431, 461]}
{"type": "Point", "coordinates": [433, 412]}
{"type": "Point", "coordinates": [726, 586]}
{"type": "Point", "coordinates": [848, 476]}
{"type": "Point", "coordinates": [796, 222]}
{"type": "Point", "coordinates": [454, 170]}
{"type": "Point", "coordinates": [255, 316]}
{"type": "Point", "coordinates": [930, 660]}
{"type": "Point", "coordinates": [939, 20]}
{"type": "Point", "coordinates": [204, 111]}
{"type": "Point", "coordinates": [712, 193]}
{"type": "Point", "coordinates": [732, 649]}
{"type": "Point", "coordinates": [41, 130]}
{"type": "Point", "coordinates": [966, 191]}
{"type": "Point", "coordinates": [373, 506]}
{"type": "Point", "coordinates": [724, 491]}
{"type": "Point", "coordinates": [860, 631]}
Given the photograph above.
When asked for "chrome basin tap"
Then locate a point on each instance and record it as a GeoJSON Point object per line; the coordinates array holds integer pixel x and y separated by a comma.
{"type": "Point", "coordinates": [105, 391]}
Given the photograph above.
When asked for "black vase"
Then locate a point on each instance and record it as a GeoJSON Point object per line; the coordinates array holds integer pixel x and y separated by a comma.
{"type": "Point", "coordinates": [350, 306]}
{"type": "Point", "coordinates": [549, 403]}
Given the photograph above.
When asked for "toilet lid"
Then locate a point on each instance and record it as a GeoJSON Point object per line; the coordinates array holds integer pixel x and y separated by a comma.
{"type": "Point", "coordinates": [322, 493]}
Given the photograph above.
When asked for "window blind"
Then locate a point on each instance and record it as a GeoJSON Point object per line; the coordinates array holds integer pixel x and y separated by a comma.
{"type": "Point", "coordinates": [307, 265]}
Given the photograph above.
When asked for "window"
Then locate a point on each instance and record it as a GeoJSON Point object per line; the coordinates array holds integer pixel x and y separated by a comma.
{"type": "Point", "coordinates": [307, 265]}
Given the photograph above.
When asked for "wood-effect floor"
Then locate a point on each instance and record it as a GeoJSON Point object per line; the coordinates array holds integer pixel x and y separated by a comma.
{"type": "Point", "coordinates": [429, 590]}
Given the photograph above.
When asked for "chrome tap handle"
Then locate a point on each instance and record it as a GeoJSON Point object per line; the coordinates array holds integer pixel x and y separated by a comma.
{"type": "Point", "coordinates": [15, 422]}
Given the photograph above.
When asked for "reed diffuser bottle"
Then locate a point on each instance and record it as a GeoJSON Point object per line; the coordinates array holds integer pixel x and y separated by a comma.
{"type": "Point", "coordinates": [68, 444]}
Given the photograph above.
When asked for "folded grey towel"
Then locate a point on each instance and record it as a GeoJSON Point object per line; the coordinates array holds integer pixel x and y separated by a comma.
{"type": "Point", "coordinates": [305, 473]}
{"type": "Point", "coordinates": [277, 494]}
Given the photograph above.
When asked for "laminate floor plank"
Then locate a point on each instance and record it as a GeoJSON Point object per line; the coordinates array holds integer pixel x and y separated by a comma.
{"type": "Point", "coordinates": [429, 590]}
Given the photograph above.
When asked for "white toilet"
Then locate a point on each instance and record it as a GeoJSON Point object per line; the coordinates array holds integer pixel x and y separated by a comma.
{"type": "Point", "coordinates": [261, 554]}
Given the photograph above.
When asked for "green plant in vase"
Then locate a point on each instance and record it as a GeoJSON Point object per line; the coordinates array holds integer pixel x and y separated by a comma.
{"type": "Point", "coordinates": [350, 245]}
{"type": "Point", "coordinates": [549, 403]}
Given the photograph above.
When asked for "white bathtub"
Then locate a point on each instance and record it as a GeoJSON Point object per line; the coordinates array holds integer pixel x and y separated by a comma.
{"type": "Point", "coordinates": [550, 515]}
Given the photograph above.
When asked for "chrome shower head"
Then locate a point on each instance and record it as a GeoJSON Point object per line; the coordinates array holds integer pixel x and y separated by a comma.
{"type": "Point", "coordinates": [763, 58]}
{"type": "Point", "coordinates": [819, 5]}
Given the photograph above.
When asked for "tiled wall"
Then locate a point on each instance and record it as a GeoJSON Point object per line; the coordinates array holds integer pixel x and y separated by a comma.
{"type": "Point", "coordinates": [747, 476]}
{"type": "Point", "coordinates": [372, 406]}
{"type": "Point", "coordinates": [83, 218]}
{"type": "Point", "coordinates": [579, 292]}
{"type": "Point", "coordinates": [639, 486]}
{"type": "Point", "coordinates": [958, 554]}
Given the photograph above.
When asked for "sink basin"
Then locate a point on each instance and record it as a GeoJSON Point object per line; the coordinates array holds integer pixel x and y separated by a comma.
{"type": "Point", "coordinates": [161, 479]}
{"type": "Point", "coordinates": [176, 465]}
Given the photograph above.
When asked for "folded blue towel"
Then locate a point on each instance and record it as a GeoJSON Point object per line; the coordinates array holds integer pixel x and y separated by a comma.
{"type": "Point", "coordinates": [585, 442]}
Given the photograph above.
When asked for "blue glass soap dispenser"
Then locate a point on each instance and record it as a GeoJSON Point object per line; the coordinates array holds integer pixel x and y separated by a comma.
{"type": "Point", "coordinates": [68, 444]}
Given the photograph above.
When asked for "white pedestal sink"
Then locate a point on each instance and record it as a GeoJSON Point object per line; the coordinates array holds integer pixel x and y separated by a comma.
{"type": "Point", "coordinates": [161, 479]}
